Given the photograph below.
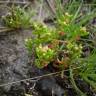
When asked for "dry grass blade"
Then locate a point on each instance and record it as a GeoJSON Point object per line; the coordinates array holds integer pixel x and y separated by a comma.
{"type": "Point", "coordinates": [13, 2]}
{"type": "Point", "coordinates": [5, 30]}
{"type": "Point", "coordinates": [51, 6]}
{"type": "Point", "coordinates": [34, 79]}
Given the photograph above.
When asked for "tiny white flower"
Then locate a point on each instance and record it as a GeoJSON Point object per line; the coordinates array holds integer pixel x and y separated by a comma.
{"type": "Point", "coordinates": [9, 13]}
{"type": "Point", "coordinates": [44, 26]}
{"type": "Point", "coordinates": [26, 40]}
{"type": "Point", "coordinates": [3, 16]}
{"type": "Point", "coordinates": [81, 47]}
{"type": "Point", "coordinates": [40, 46]}
{"type": "Point", "coordinates": [45, 48]}
{"type": "Point", "coordinates": [49, 33]}
{"type": "Point", "coordinates": [83, 28]}
{"type": "Point", "coordinates": [67, 14]}
{"type": "Point", "coordinates": [76, 48]}
{"type": "Point", "coordinates": [64, 23]}
{"type": "Point", "coordinates": [10, 22]}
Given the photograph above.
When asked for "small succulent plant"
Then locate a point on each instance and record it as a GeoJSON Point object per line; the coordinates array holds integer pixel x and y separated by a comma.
{"type": "Point", "coordinates": [62, 45]}
{"type": "Point", "coordinates": [18, 18]}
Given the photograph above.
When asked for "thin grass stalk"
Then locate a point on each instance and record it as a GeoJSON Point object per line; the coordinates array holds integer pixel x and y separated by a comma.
{"type": "Point", "coordinates": [79, 92]}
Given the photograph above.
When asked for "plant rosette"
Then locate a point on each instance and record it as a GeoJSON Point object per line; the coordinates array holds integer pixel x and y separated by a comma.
{"type": "Point", "coordinates": [44, 56]}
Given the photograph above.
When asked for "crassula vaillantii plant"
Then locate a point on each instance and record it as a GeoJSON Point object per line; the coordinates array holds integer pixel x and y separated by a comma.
{"type": "Point", "coordinates": [61, 45]}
